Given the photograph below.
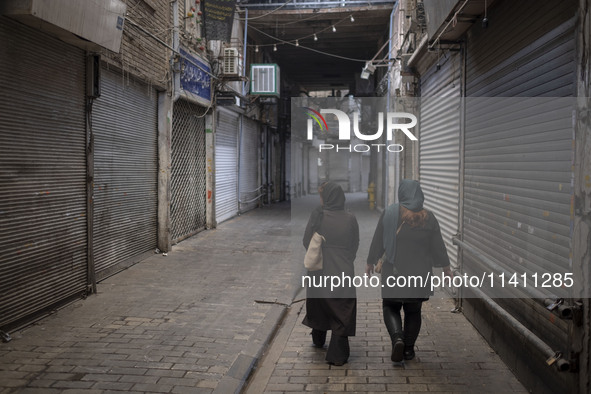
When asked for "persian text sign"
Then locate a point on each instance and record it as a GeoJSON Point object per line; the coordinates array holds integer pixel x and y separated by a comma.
{"type": "Point", "coordinates": [194, 79]}
{"type": "Point", "coordinates": [218, 16]}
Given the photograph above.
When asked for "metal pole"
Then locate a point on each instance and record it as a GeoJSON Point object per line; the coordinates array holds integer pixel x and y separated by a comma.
{"type": "Point", "coordinates": [547, 352]}
{"type": "Point", "coordinates": [244, 51]}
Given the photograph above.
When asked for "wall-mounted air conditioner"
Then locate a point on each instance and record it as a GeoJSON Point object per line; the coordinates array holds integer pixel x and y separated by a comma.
{"type": "Point", "coordinates": [264, 79]}
{"type": "Point", "coordinates": [231, 65]}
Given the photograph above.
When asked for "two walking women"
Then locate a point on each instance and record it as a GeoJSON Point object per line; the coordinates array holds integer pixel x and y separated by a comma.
{"type": "Point", "coordinates": [407, 239]}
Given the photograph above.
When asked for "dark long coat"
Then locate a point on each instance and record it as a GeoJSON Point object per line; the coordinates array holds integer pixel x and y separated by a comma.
{"type": "Point", "coordinates": [336, 310]}
{"type": "Point", "coordinates": [417, 251]}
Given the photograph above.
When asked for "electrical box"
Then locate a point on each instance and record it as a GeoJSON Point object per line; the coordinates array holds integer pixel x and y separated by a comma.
{"type": "Point", "coordinates": [264, 79]}
{"type": "Point", "coordinates": [93, 76]}
{"type": "Point", "coordinates": [90, 25]}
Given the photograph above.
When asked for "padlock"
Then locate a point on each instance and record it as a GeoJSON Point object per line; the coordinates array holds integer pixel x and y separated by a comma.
{"type": "Point", "coordinates": [553, 358]}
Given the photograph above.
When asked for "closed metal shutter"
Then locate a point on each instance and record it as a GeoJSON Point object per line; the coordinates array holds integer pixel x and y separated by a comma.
{"type": "Point", "coordinates": [296, 169]}
{"type": "Point", "coordinates": [439, 148]}
{"type": "Point", "coordinates": [42, 172]}
{"type": "Point", "coordinates": [249, 165]}
{"type": "Point", "coordinates": [519, 152]}
{"type": "Point", "coordinates": [188, 191]}
{"type": "Point", "coordinates": [226, 156]}
{"type": "Point", "coordinates": [126, 168]}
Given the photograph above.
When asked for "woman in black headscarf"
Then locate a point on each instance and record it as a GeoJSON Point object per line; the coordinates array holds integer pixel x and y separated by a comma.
{"type": "Point", "coordinates": [326, 308]}
{"type": "Point", "coordinates": [408, 239]}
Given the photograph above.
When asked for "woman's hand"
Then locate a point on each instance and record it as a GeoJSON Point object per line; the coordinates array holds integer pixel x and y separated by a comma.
{"type": "Point", "coordinates": [447, 272]}
{"type": "Point", "coordinates": [369, 269]}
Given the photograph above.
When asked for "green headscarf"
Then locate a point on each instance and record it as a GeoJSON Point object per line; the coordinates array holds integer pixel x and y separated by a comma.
{"type": "Point", "coordinates": [410, 196]}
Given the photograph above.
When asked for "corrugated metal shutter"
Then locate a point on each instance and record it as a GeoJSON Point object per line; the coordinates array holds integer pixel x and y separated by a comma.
{"type": "Point", "coordinates": [249, 165]}
{"type": "Point", "coordinates": [42, 172]}
{"type": "Point", "coordinates": [518, 152]}
{"type": "Point", "coordinates": [439, 148]}
{"type": "Point", "coordinates": [188, 173]}
{"type": "Point", "coordinates": [296, 169]}
{"type": "Point", "coordinates": [126, 169]}
{"type": "Point", "coordinates": [226, 156]}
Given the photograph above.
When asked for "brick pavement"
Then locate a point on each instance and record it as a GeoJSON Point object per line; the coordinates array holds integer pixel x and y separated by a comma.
{"type": "Point", "coordinates": [185, 323]}
{"type": "Point", "coordinates": [198, 320]}
{"type": "Point", "coordinates": [451, 357]}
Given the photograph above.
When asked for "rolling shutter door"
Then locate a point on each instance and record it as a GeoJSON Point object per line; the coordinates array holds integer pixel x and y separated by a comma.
{"type": "Point", "coordinates": [249, 165]}
{"type": "Point", "coordinates": [126, 168]}
{"type": "Point", "coordinates": [188, 190]}
{"type": "Point", "coordinates": [519, 151]}
{"type": "Point", "coordinates": [42, 172]}
{"type": "Point", "coordinates": [439, 148]}
{"type": "Point", "coordinates": [226, 177]}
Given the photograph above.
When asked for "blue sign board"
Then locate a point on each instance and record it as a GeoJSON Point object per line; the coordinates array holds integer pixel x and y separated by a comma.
{"type": "Point", "coordinates": [195, 77]}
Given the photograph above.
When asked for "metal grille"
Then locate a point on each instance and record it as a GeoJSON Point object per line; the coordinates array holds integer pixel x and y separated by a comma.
{"type": "Point", "coordinates": [42, 172]}
{"type": "Point", "coordinates": [188, 174]}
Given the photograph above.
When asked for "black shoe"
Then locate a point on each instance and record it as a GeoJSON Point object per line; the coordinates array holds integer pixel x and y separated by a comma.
{"type": "Point", "coordinates": [318, 337]}
{"type": "Point", "coordinates": [397, 350]}
{"type": "Point", "coordinates": [409, 354]}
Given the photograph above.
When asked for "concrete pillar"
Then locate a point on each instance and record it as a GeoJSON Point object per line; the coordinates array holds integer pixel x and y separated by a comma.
{"type": "Point", "coordinates": [210, 165]}
{"type": "Point", "coordinates": [164, 166]}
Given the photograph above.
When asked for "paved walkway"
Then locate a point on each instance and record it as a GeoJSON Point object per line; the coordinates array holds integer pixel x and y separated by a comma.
{"type": "Point", "coordinates": [198, 320]}
{"type": "Point", "coordinates": [185, 323]}
{"type": "Point", "coordinates": [451, 357]}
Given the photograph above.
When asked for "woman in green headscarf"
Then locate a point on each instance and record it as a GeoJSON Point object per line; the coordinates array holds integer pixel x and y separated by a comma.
{"type": "Point", "coordinates": [326, 308]}
{"type": "Point", "coordinates": [409, 239]}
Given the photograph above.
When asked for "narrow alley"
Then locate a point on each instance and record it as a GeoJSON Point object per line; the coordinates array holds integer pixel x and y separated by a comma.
{"type": "Point", "coordinates": [214, 312]}
{"type": "Point", "coordinates": [160, 160]}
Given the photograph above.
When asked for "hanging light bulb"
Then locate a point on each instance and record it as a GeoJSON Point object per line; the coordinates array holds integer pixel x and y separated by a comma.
{"type": "Point", "coordinates": [274, 47]}
{"type": "Point", "coordinates": [297, 43]}
{"type": "Point", "coordinates": [256, 48]}
{"type": "Point", "coordinates": [352, 19]}
{"type": "Point", "coordinates": [315, 37]}
{"type": "Point", "coordinates": [334, 29]}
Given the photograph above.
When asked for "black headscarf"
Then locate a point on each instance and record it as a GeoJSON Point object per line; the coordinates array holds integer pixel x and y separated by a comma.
{"type": "Point", "coordinates": [333, 199]}
{"type": "Point", "coordinates": [410, 196]}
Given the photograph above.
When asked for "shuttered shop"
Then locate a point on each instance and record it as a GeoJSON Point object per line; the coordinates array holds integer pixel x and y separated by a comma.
{"type": "Point", "coordinates": [439, 148]}
{"type": "Point", "coordinates": [125, 165]}
{"type": "Point", "coordinates": [188, 190]}
{"type": "Point", "coordinates": [226, 156]}
{"type": "Point", "coordinates": [42, 172]}
{"type": "Point", "coordinates": [519, 151]}
{"type": "Point", "coordinates": [249, 165]}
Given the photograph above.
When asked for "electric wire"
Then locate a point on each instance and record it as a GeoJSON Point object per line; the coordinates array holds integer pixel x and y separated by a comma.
{"type": "Point", "coordinates": [268, 13]}
{"type": "Point", "coordinates": [303, 47]}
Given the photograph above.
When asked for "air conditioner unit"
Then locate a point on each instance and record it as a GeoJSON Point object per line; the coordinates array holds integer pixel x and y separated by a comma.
{"type": "Point", "coordinates": [264, 79]}
{"type": "Point", "coordinates": [231, 65]}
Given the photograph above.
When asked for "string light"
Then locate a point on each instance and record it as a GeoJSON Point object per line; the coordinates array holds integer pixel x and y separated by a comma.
{"type": "Point", "coordinates": [315, 37]}
{"type": "Point", "coordinates": [334, 29]}
{"type": "Point", "coordinates": [274, 47]}
{"type": "Point", "coordinates": [297, 43]}
{"type": "Point", "coordinates": [256, 48]}
{"type": "Point", "coordinates": [352, 19]}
